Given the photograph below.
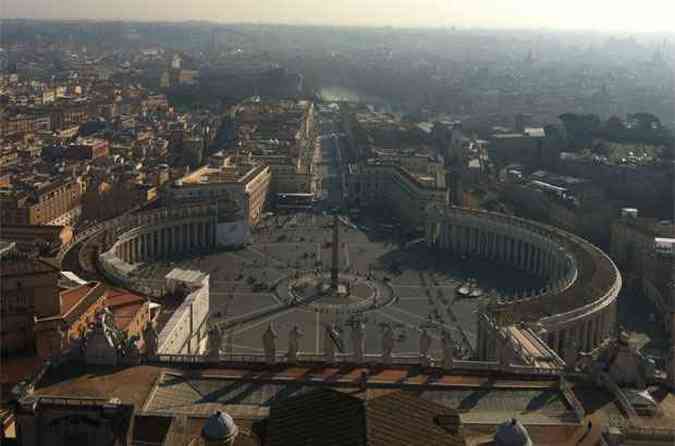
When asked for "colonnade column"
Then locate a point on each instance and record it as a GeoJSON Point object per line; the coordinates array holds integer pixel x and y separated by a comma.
{"type": "Point", "coordinates": [132, 251]}
{"type": "Point", "coordinates": [190, 239]}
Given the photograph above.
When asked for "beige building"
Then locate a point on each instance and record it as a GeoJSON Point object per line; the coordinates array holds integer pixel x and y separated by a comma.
{"type": "Point", "coordinates": [76, 310]}
{"type": "Point", "coordinates": [282, 135]}
{"type": "Point", "coordinates": [390, 184]}
{"type": "Point", "coordinates": [643, 249]}
{"type": "Point", "coordinates": [242, 179]}
{"type": "Point", "coordinates": [29, 288]}
{"type": "Point", "coordinates": [37, 201]}
{"type": "Point", "coordinates": [288, 175]}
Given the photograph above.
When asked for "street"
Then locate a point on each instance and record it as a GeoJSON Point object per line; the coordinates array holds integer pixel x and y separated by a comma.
{"type": "Point", "coordinates": [330, 167]}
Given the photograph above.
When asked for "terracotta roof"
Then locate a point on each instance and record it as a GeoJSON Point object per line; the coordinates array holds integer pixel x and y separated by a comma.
{"type": "Point", "coordinates": [124, 306]}
{"type": "Point", "coordinates": [70, 297]}
{"type": "Point", "coordinates": [125, 314]}
{"type": "Point", "coordinates": [116, 296]}
{"type": "Point", "coordinates": [129, 384]}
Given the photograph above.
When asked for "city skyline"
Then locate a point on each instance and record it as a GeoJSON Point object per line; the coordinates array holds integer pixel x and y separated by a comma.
{"type": "Point", "coordinates": [603, 15]}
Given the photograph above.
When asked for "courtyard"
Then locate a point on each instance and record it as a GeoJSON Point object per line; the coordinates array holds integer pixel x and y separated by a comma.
{"type": "Point", "coordinates": [415, 286]}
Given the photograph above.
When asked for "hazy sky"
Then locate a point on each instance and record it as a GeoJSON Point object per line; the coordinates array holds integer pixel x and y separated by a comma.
{"type": "Point", "coordinates": [612, 15]}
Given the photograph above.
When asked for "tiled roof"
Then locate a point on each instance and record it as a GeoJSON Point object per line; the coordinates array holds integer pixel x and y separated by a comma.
{"type": "Point", "coordinates": [70, 297]}
{"type": "Point", "coordinates": [321, 417]}
{"type": "Point", "coordinates": [130, 385]}
{"type": "Point", "coordinates": [402, 418]}
{"type": "Point", "coordinates": [124, 306]}
{"type": "Point", "coordinates": [351, 417]}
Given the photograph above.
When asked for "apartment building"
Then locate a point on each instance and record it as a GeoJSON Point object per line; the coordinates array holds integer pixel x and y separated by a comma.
{"type": "Point", "coordinates": [243, 179]}
{"type": "Point", "coordinates": [40, 200]}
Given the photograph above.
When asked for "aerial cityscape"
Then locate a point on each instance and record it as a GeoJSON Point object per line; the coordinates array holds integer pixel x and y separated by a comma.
{"type": "Point", "coordinates": [279, 228]}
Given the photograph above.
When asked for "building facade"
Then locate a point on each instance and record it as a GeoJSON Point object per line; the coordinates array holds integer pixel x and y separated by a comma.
{"type": "Point", "coordinates": [29, 289]}
{"type": "Point", "coordinates": [245, 182]}
{"type": "Point", "coordinates": [408, 195]}
{"type": "Point", "coordinates": [50, 202]}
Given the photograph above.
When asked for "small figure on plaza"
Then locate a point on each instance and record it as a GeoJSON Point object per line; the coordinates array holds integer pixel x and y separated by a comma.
{"type": "Point", "coordinates": [294, 343]}
{"type": "Point", "coordinates": [387, 343]}
{"type": "Point", "coordinates": [447, 346]}
{"type": "Point", "coordinates": [150, 339]}
{"type": "Point", "coordinates": [269, 344]}
{"type": "Point", "coordinates": [358, 340]}
{"type": "Point", "coordinates": [425, 346]}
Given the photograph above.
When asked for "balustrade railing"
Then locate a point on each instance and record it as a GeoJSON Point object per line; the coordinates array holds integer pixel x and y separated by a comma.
{"type": "Point", "coordinates": [406, 360]}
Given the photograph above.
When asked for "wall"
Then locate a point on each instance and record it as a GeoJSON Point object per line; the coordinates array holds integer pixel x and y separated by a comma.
{"type": "Point", "coordinates": [186, 329]}
{"type": "Point", "coordinates": [23, 297]}
{"type": "Point", "coordinates": [73, 421]}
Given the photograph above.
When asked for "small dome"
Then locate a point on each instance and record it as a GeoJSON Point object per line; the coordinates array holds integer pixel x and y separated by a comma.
{"type": "Point", "coordinates": [512, 433]}
{"type": "Point", "coordinates": [219, 426]}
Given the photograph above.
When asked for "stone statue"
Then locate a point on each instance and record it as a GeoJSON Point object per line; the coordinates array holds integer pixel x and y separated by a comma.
{"type": "Point", "coordinates": [626, 365]}
{"type": "Point", "coordinates": [294, 343]}
{"type": "Point", "coordinates": [131, 349]}
{"type": "Point", "coordinates": [447, 345]}
{"type": "Point", "coordinates": [387, 344]}
{"type": "Point", "coordinates": [425, 346]}
{"type": "Point", "coordinates": [358, 340]}
{"type": "Point", "coordinates": [150, 338]}
{"type": "Point", "coordinates": [108, 321]}
{"type": "Point", "coordinates": [213, 343]}
{"type": "Point", "coordinates": [269, 344]}
{"type": "Point", "coordinates": [331, 337]}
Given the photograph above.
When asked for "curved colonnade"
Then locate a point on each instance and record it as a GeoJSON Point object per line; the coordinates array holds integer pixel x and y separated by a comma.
{"type": "Point", "coordinates": [153, 235]}
{"type": "Point", "coordinates": [577, 307]}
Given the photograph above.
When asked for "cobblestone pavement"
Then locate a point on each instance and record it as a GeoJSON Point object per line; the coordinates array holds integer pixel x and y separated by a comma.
{"type": "Point", "coordinates": [424, 282]}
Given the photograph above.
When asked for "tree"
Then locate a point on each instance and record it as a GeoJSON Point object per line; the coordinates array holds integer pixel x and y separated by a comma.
{"type": "Point", "coordinates": [614, 129]}
{"type": "Point", "coordinates": [580, 129]}
{"type": "Point", "coordinates": [645, 122]}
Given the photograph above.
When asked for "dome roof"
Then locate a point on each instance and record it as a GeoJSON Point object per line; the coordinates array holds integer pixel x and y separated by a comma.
{"type": "Point", "coordinates": [219, 426]}
{"type": "Point", "coordinates": [512, 433]}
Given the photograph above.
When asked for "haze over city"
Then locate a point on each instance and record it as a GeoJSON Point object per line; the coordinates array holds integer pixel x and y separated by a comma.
{"type": "Point", "coordinates": [600, 15]}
